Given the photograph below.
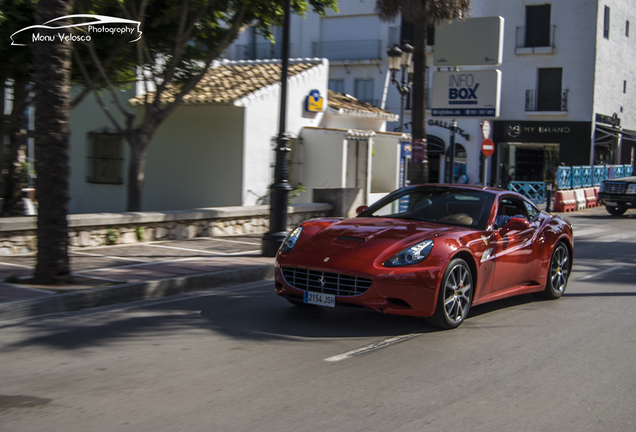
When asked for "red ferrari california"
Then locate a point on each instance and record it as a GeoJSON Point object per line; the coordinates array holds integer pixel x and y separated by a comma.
{"type": "Point", "coordinates": [430, 250]}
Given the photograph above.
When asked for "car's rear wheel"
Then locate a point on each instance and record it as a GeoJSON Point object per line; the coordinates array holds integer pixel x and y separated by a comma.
{"type": "Point", "coordinates": [616, 210]}
{"type": "Point", "coordinates": [455, 296]}
{"type": "Point", "coordinates": [558, 273]}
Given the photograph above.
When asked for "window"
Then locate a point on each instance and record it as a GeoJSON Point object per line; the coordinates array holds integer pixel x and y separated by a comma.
{"type": "Point", "coordinates": [624, 87]}
{"type": "Point", "coordinates": [549, 89]}
{"type": "Point", "coordinates": [336, 85]}
{"type": "Point", "coordinates": [606, 23]}
{"type": "Point", "coordinates": [364, 90]}
{"type": "Point", "coordinates": [509, 208]}
{"type": "Point", "coordinates": [104, 158]}
{"type": "Point", "coordinates": [533, 212]}
{"type": "Point", "coordinates": [538, 26]}
{"type": "Point", "coordinates": [627, 28]}
{"type": "Point", "coordinates": [295, 162]}
{"type": "Point", "coordinates": [407, 33]}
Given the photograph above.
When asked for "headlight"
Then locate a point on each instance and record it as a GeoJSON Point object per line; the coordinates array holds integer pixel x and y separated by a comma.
{"type": "Point", "coordinates": [602, 187]}
{"type": "Point", "coordinates": [291, 240]}
{"type": "Point", "coordinates": [631, 188]}
{"type": "Point", "coordinates": [411, 255]}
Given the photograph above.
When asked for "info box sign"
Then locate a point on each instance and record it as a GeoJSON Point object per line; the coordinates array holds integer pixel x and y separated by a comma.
{"type": "Point", "coordinates": [468, 93]}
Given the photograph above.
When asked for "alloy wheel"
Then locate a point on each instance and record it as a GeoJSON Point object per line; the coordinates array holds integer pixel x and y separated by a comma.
{"type": "Point", "coordinates": [458, 293]}
{"type": "Point", "coordinates": [559, 269]}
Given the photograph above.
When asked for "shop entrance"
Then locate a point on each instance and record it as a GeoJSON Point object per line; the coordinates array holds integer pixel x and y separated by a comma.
{"type": "Point", "coordinates": [526, 162]}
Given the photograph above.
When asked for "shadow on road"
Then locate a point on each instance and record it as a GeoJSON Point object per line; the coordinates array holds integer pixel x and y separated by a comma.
{"type": "Point", "coordinates": [256, 314]}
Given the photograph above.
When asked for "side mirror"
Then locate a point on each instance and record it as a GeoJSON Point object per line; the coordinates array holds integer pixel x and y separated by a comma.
{"type": "Point", "coordinates": [514, 224]}
{"type": "Point", "coordinates": [361, 209]}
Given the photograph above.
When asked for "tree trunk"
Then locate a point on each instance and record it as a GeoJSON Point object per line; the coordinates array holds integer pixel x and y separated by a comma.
{"type": "Point", "coordinates": [138, 141]}
{"type": "Point", "coordinates": [15, 175]}
{"type": "Point", "coordinates": [419, 173]}
{"type": "Point", "coordinates": [52, 63]}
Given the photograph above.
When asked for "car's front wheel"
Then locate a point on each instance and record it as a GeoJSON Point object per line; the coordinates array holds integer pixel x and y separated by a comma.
{"type": "Point", "coordinates": [455, 296]}
{"type": "Point", "coordinates": [616, 210]}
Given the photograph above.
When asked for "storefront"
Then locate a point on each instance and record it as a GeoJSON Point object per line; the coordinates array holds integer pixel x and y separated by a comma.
{"type": "Point", "coordinates": [612, 143]}
{"type": "Point", "coordinates": [532, 150]}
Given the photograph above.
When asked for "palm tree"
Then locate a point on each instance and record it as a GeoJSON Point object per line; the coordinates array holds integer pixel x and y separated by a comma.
{"type": "Point", "coordinates": [421, 13]}
{"type": "Point", "coordinates": [52, 64]}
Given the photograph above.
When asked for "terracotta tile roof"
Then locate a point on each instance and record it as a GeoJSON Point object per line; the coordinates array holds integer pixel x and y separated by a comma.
{"type": "Point", "coordinates": [231, 81]}
{"type": "Point", "coordinates": [348, 105]}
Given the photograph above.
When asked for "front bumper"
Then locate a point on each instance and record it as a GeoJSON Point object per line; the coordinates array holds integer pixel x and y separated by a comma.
{"type": "Point", "coordinates": [409, 290]}
{"type": "Point", "coordinates": [628, 201]}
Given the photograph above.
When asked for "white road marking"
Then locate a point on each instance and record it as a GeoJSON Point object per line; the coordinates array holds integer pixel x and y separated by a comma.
{"type": "Point", "coordinates": [15, 265]}
{"type": "Point", "coordinates": [111, 257]}
{"type": "Point", "coordinates": [600, 273]}
{"type": "Point", "coordinates": [372, 347]}
{"type": "Point", "coordinates": [616, 237]}
{"type": "Point", "coordinates": [100, 278]}
{"type": "Point", "coordinates": [229, 241]}
{"type": "Point", "coordinates": [140, 264]}
{"type": "Point", "coordinates": [204, 251]}
{"type": "Point", "coordinates": [586, 232]}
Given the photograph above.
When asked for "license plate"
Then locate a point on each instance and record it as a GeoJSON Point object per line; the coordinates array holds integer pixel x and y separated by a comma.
{"type": "Point", "coordinates": [328, 300]}
{"type": "Point", "coordinates": [611, 203]}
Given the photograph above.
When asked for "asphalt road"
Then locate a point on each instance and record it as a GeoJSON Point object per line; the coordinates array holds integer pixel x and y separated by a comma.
{"type": "Point", "coordinates": [241, 359]}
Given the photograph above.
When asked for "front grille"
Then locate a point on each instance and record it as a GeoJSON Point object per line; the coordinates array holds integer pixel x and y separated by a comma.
{"type": "Point", "coordinates": [614, 188]}
{"type": "Point", "coordinates": [325, 282]}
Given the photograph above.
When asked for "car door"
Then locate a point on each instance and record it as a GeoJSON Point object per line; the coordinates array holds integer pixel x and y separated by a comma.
{"type": "Point", "coordinates": [516, 261]}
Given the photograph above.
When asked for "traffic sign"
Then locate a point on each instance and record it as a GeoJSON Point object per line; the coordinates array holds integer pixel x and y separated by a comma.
{"type": "Point", "coordinates": [485, 129]}
{"type": "Point", "coordinates": [487, 147]}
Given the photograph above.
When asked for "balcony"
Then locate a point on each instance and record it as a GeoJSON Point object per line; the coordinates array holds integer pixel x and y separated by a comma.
{"type": "Point", "coordinates": [546, 101]}
{"type": "Point", "coordinates": [344, 51]}
{"type": "Point", "coordinates": [259, 51]}
{"type": "Point", "coordinates": [535, 40]}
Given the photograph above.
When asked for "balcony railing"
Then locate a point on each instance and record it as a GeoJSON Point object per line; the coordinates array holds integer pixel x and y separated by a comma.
{"type": "Point", "coordinates": [260, 51]}
{"type": "Point", "coordinates": [535, 36]}
{"type": "Point", "coordinates": [546, 100]}
{"type": "Point", "coordinates": [348, 50]}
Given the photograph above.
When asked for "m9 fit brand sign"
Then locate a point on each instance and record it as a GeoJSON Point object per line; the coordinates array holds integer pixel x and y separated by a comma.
{"type": "Point", "coordinates": [466, 94]}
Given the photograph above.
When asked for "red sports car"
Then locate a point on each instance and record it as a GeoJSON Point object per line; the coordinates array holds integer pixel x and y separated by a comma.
{"type": "Point", "coordinates": [430, 250]}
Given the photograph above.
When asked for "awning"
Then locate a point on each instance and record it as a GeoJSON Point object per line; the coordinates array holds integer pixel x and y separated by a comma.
{"type": "Point", "coordinates": [608, 132]}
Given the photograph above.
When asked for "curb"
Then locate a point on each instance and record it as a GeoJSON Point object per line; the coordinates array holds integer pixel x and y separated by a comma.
{"type": "Point", "coordinates": [103, 296]}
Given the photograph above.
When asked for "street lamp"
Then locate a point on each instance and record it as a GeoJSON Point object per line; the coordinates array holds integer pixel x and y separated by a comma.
{"type": "Point", "coordinates": [279, 190]}
{"type": "Point", "coordinates": [401, 59]}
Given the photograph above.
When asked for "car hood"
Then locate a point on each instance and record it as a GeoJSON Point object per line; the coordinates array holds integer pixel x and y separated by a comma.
{"type": "Point", "coordinates": [367, 238]}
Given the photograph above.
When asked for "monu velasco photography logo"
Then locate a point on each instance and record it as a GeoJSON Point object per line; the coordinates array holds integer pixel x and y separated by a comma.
{"type": "Point", "coordinates": [77, 28]}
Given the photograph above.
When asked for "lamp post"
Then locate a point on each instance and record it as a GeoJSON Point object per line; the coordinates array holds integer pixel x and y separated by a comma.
{"type": "Point", "coordinates": [279, 190]}
{"type": "Point", "coordinates": [401, 59]}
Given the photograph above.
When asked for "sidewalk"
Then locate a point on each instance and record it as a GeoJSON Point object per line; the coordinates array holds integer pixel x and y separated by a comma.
{"type": "Point", "coordinates": [116, 274]}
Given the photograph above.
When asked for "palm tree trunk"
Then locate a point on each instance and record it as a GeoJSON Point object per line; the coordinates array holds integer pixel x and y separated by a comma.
{"type": "Point", "coordinates": [419, 173]}
{"type": "Point", "coordinates": [52, 103]}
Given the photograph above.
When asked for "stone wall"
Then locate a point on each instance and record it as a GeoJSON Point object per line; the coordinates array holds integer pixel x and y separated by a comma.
{"type": "Point", "coordinates": [18, 234]}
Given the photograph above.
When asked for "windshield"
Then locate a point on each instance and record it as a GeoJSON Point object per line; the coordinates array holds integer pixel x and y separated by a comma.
{"type": "Point", "coordinates": [446, 205]}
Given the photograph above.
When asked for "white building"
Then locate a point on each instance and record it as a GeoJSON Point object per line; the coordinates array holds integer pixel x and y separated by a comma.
{"type": "Point", "coordinates": [568, 77]}
{"type": "Point", "coordinates": [216, 148]}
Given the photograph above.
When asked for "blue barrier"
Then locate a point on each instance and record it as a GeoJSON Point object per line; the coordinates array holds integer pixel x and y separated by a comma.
{"type": "Point", "coordinates": [587, 176]}
{"type": "Point", "coordinates": [533, 190]}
